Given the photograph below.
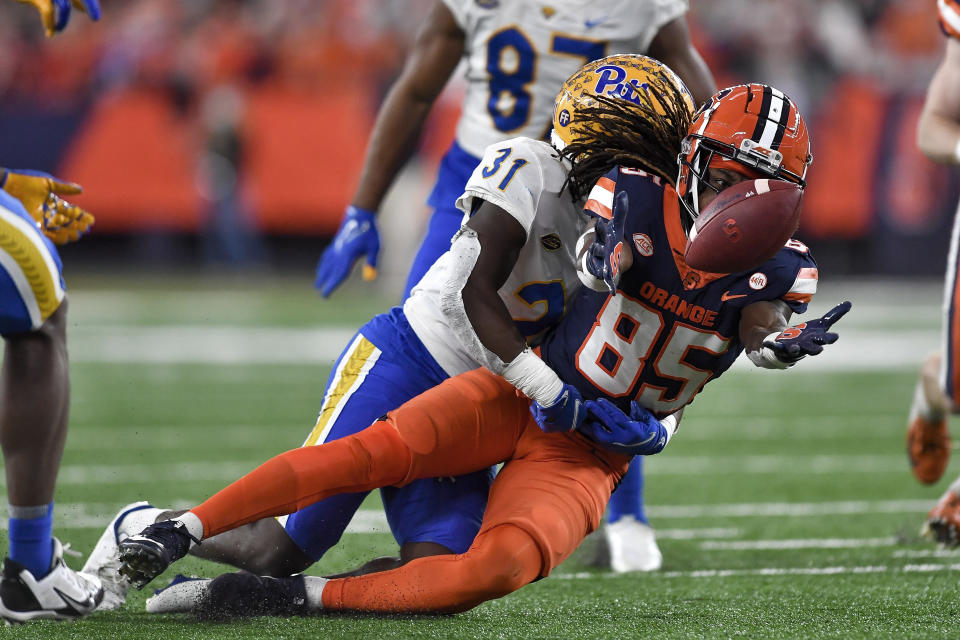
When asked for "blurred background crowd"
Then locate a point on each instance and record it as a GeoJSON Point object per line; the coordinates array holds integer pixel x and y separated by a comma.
{"type": "Point", "coordinates": [231, 132]}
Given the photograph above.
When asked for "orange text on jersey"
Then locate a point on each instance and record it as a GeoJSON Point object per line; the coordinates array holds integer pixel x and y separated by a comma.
{"type": "Point", "coordinates": [677, 305]}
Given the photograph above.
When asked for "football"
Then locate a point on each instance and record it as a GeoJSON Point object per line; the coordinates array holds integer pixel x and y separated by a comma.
{"type": "Point", "coordinates": [744, 226]}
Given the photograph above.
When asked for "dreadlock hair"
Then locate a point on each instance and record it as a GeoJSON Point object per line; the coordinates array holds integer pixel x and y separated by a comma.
{"type": "Point", "coordinates": [615, 132]}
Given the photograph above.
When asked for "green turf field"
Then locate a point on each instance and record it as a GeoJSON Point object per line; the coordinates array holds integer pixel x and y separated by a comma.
{"type": "Point", "coordinates": [784, 507]}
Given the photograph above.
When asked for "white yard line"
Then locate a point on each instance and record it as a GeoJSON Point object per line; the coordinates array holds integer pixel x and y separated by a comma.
{"type": "Point", "coordinates": [772, 571]}
{"type": "Point", "coordinates": [78, 514]}
{"type": "Point", "coordinates": [789, 509]}
{"type": "Point", "coordinates": [153, 470]}
{"type": "Point", "coordinates": [805, 543]}
{"type": "Point", "coordinates": [224, 344]}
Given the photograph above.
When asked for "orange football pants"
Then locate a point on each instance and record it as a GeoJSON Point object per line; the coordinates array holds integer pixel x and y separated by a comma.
{"type": "Point", "coordinates": [549, 495]}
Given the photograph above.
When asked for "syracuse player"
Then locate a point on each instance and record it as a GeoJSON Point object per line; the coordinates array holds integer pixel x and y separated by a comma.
{"type": "Point", "coordinates": [938, 389]}
{"type": "Point", "coordinates": [508, 276]}
{"type": "Point", "coordinates": [517, 53]}
{"type": "Point", "coordinates": [553, 489]}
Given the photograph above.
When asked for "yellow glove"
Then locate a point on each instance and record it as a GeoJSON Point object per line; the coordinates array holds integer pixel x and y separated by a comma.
{"type": "Point", "coordinates": [40, 194]}
{"type": "Point", "coordinates": [56, 13]}
{"type": "Point", "coordinates": [64, 222]}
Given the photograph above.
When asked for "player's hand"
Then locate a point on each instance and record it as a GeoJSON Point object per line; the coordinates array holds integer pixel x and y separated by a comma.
{"type": "Point", "coordinates": [55, 14]}
{"type": "Point", "coordinates": [640, 433]}
{"type": "Point", "coordinates": [40, 193]}
{"type": "Point", "coordinates": [603, 259]}
{"type": "Point", "coordinates": [565, 413]}
{"type": "Point", "coordinates": [356, 236]}
{"type": "Point", "coordinates": [807, 338]}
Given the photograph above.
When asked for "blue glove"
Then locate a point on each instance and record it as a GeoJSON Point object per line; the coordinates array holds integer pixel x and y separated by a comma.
{"type": "Point", "coordinates": [55, 14]}
{"type": "Point", "coordinates": [639, 434]}
{"type": "Point", "coordinates": [807, 338]}
{"type": "Point", "coordinates": [603, 259]}
{"type": "Point", "coordinates": [565, 413]}
{"type": "Point", "coordinates": [356, 236]}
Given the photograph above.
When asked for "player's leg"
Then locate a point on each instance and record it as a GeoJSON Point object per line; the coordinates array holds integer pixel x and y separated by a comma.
{"type": "Point", "coordinates": [452, 176]}
{"type": "Point", "coordinates": [34, 400]}
{"type": "Point", "coordinates": [928, 440]}
{"type": "Point", "coordinates": [365, 383]}
{"type": "Point", "coordinates": [937, 393]}
{"type": "Point", "coordinates": [542, 504]}
{"type": "Point", "coordinates": [628, 534]}
{"type": "Point", "coordinates": [943, 521]}
{"type": "Point", "coordinates": [465, 424]}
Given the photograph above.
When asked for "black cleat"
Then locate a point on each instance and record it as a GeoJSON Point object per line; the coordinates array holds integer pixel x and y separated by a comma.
{"type": "Point", "coordinates": [244, 595]}
{"type": "Point", "coordinates": [148, 554]}
{"type": "Point", "coordinates": [62, 594]}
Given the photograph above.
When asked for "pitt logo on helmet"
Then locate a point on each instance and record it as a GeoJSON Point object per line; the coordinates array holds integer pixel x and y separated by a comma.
{"type": "Point", "coordinates": [637, 79]}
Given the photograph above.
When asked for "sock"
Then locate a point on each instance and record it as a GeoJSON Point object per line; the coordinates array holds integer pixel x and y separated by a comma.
{"type": "Point", "coordinates": [922, 407]}
{"type": "Point", "coordinates": [31, 537]}
{"type": "Point", "coordinates": [627, 500]}
{"type": "Point", "coordinates": [314, 587]}
{"type": "Point", "coordinates": [193, 525]}
{"type": "Point", "coordinates": [136, 521]}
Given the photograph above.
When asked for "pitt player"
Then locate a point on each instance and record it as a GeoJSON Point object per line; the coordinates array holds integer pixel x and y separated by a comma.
{"type": "Point", "coordinates": [55, 14]}
{"type": "Point", "coordinates": [516, 53]}
{"type": "Point", "coordinates": [554, 486]}
{"type": "Point", "coordinates": [938, 390]}
{"type": "Point", "coordinates": [35, 395]}
{"type": "Point", "coordinates": [509, 275]}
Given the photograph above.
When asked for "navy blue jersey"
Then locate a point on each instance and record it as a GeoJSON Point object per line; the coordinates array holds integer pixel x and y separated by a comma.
{"type": "Point", "coordinates": [670, 328]}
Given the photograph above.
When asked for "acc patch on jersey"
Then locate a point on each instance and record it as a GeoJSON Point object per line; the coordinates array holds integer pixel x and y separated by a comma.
{"type": "Point", "coordinates": [644, 244]}
{"type": "Point", "coordinates": [551, 242]}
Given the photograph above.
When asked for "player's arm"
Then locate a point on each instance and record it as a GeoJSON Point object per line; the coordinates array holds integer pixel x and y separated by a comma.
{"type": "Point", "coordinates": [484, 253]}
{"type": "Point", "coordinates": [673, 47]}
{"type": "Point", "coordinates": [499, 239]}
{"type": "Point", "coordinates": [436, 51]}
{"type": "Point", "coordinates": [938, 130]}
{"type": "Point", "coordinates": [771, 344]}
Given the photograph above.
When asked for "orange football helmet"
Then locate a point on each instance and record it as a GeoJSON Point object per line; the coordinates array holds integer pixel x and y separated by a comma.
{"type": "Point", "coordinates": [753, 129]}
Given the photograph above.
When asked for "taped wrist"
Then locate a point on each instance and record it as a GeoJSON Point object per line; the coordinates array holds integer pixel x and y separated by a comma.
{"type": "Point", "coordinates": [670, 424]}
{"type": "Point", "coordinates": [533, 377]}
{"type": "Point", "coordinates": [766, 357]}
{"type": "Point", "coordinates": [587, 279]}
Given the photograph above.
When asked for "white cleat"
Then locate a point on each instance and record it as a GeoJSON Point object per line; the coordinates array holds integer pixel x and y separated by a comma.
{"type": "Point", "coordinates": [62, 594]}
{"type": "Point", "coordinates": [633, 546]}
{"type": "Point", "coordinates": [104, 560]}
{"type": "Point", "coordinates": [179, 596]}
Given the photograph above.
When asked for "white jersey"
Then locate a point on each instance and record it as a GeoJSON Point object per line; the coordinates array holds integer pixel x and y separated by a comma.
{"type": "Point", "coordinates": [519, 53]}
{"type": "Point", "coordinates": [523, 177]}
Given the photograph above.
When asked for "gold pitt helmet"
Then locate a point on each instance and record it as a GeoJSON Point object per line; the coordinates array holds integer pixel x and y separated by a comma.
{"type": "Point", "coordinates": [631, 77]}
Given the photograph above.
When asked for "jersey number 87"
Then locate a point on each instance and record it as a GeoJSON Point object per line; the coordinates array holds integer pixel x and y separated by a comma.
{"type": "Point", "coordinates": [509, 102]}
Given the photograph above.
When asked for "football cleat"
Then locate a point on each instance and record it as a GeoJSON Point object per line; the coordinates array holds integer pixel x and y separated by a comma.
{"type": "Point", "coordinates": [62, 594]}
{"type": "Point", "coordinates": [148, 554]}
{"type": "Point", "coordinates": [180, 596]}
{"type": "Point", "coordinates": [104, 560]}
{"type": "Point", "coordinates": [928, 448]}
{"type": "Point", "coordinates": [633, 546]}
{"type": "Point", "coordinates": [943, 521]}
{"type": "Point", "coordinates": [242, 595]}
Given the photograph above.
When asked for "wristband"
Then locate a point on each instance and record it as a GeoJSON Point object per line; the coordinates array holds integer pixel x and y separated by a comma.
{"type": "Point", "coordinates": [670, 424]}
{"type": "Point", "coordinates": [533, 377]}
{"type": "Point", "coordinates": [766, 358]}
